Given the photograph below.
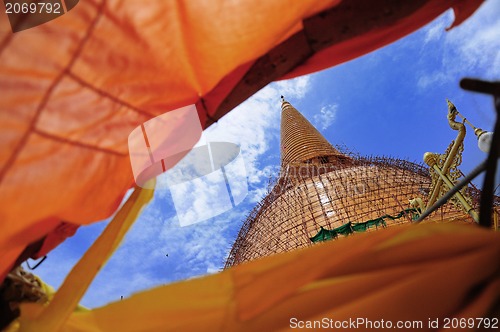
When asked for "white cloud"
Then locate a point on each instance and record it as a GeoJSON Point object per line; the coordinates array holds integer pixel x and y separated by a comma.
{"type": "Point", "coordinates": [296, 88]}
{"type": "Point", "coordinates": [477, 40]}
{"type": "Point", "coordinates": [257, 194]}
{"type": "Point", "coordinates": [253, 123]}
{"type": "Point", "coordinates": [433, 79]}
{"type": "Point", "coordinates": [326, 116]}
{"type": "Point", "coordinates": [253, 126]}
{"type": "Point", "coordinates": [435, 30]}
{"type": "Point", "coordinates": [211, 269]}
{"type": "Point", "coordinates": [201, 199]}
{"type": "Point", "coordinates": [141, 262]}
{"type": "Point", "coordinates": [471, 47]}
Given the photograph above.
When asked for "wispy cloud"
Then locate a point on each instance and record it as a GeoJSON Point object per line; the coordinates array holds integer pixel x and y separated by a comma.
{"type": "Point", "coordinates": [465, 49]}
{"type": "Point", "coordinates": [432, 79]}
{"type": "Point", "coordinates": [326, 116]}
{"type": "Point", "coordinates": [296, 88]}
{"type": "Point", "coordinates": [157, 251]}
{"type": "Point", "coordinates": [434, 31]}
{"type": "Point", "coordinates": [141, 262]}
{"type": "Point", "coordinates": [252, 126]}
{"type": "Point", "coordinates": [477, 41]}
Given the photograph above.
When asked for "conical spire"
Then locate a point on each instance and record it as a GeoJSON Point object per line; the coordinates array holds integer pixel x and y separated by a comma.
{"type": "Point", "coordinates": [300, 141]}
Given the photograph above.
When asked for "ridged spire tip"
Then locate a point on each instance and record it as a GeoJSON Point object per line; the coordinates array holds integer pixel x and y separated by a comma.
{"type": "Point", "coordinates": [284, 103]}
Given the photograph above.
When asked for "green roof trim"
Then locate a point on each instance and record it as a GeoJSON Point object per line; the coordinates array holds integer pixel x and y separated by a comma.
{"type": "Point", "coordinates": [349, 227]}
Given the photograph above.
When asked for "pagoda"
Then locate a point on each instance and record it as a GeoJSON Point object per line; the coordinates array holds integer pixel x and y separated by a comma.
{"type": "Point", "coordinates": [323, 194]}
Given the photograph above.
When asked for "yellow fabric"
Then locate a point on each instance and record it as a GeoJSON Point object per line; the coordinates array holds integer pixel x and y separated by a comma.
{"type": "Point", "coordinates": [411, 272]}
{"type": "Point", "coordinates": [53, 316]}
{"type": "Point", "coordinates": [50, 292]}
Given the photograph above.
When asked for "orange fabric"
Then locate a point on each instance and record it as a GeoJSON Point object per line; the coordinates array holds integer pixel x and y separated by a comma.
{"type": "Point", "coordinates": [75, 87]}
{"type": "Point", "coordinates": [412, 272]}
{"type": "Point", "coordinates": [54, 238]}
{"type": "Point", "coordinates": [379, 37]}
{"type": "Point", "coordinates": [13, 246]}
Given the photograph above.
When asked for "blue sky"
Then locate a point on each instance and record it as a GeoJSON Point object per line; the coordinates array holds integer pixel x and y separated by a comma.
{"type": "Point", "coordinates": [391, 102]}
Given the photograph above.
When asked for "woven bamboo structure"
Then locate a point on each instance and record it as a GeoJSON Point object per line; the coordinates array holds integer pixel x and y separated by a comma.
{"type": "Point", "coordinates": [321, 189]}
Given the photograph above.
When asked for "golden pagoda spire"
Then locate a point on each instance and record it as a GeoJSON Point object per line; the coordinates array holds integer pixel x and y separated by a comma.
{"type": "Point", "coordinates": [301, 142]}
{"type": "Point", "coordinates": [322, 194]}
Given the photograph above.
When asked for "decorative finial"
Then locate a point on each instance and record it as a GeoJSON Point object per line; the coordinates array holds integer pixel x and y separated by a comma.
{"type": "Point", "coordinates": [282, 99]}
{"type": "Point", "coordinates": [453, 112]}
{"type": "Point", "coordinates": [451, 106]}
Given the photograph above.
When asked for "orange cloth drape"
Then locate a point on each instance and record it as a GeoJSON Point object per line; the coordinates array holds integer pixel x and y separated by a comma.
{"type": "Point", "coordinates": [74, 88]}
